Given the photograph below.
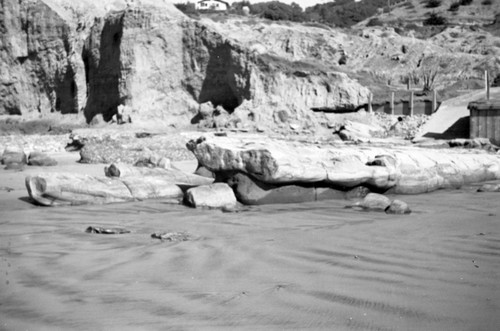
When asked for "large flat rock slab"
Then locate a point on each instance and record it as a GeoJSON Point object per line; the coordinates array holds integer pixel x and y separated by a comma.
{"type": "Point", "coordinates": [401, 170]}
{"type": "Point", "coordinates": [61, 189]}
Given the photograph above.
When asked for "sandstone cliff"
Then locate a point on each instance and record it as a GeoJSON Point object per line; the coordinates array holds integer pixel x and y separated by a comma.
{"type": "Point", "coordinates": [91, 57]}
{"type": "Point", "coordinates": [41, 69]}
{"type": "Point", "coordinates": [378, 55]}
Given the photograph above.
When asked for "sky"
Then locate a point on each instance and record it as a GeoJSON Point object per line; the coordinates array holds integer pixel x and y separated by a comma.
{"type": "Point", "coordinates": [303, 3]}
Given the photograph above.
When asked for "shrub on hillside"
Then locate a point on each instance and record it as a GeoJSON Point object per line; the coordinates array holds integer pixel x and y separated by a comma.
{"type": "Point", "coordinates": [435, 19]}
{"type": "Point", "coordinates": [454, 6]}
{"type": "Point", "coordinates": [278, 11]}
{"type": "Point", "coordinates": [240, 8]}
{"type": "Point", "coordinates": [187, 8]}
{"type": "Point", "coordinates": [433, 3]}
{"type": "Point", "coordinates": [487, 2]}
{"type": "Point", "coordinates": [374, 22]}
{"type": "Point", "coordinates": [344, 13]}
{"type": "Point", "coordinates": [465, 2]}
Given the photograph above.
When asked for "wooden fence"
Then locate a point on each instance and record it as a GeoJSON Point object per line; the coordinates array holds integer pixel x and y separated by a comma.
{"type": "Point", "coordinates": [408, 107]}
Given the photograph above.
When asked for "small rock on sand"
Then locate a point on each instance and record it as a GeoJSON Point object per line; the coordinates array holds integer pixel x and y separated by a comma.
{"type": "Point", "coordinates": [218, 195]}
{"type": "Point", "coordinates": [171, 236]}
{"type": "Point", "coordinates": [374, 201]}
{"type": "Point", "coordinates": [100, 230]}
{"type": "Point", "coordinates": [41, 159]}
{"type": "Point", "coordinates": [13, 157]}
{"type": "Point", "coordinates": [398, 207]}
{"type": "Point", "coordinates": [489, 188]}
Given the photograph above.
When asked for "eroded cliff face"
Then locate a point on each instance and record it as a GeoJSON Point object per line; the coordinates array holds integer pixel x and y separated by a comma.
{"type": "Point", "coordinates": [150, 58]}
{"type": "Point", "coordinates": [216, 69]}
{"type": "Point", "coordinates": [41, 69]}
{"type": "Point", "coordinates": [220, 70]}
{"type": "Point", "coordinates": [134, 57]}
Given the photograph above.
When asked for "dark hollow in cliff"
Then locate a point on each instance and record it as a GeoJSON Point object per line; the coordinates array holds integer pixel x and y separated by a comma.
{"type": "Point", "coordinates": [103, 69]}
{"type": "Point", "coordinates": [219, 86]}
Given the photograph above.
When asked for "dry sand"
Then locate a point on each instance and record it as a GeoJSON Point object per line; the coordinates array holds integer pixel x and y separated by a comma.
{"type": "Point", "coordinates": [279, 267]}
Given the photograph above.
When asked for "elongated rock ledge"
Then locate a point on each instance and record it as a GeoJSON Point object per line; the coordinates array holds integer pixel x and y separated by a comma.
{"type": "Point", "coordinates": [405, 170]}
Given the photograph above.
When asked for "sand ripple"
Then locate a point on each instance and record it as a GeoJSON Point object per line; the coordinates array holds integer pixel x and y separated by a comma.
{"type": "Point", "coordinates": [309, 266]}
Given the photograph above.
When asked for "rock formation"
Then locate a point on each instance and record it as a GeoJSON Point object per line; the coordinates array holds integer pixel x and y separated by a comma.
{"type": "Point", "coordinates": [218, 195]}
{"type": "Point", "coordinates": [146, 56]}
{"type": "Point", "coordinates": [41, 69]}
{"type": "Point", "coordinates": [250, 191]}
{"type": "Point", "coordinates": [399, 170]}
{"type": "Point", "coordinates": [61, 189]}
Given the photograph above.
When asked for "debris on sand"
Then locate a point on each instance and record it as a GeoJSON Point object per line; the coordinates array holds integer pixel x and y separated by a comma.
{"type": "Point", "coordinates": [100, 230]}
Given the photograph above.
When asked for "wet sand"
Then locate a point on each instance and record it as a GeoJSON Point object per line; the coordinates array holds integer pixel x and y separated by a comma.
{"type": "Point", "coordinates": [279, 267]}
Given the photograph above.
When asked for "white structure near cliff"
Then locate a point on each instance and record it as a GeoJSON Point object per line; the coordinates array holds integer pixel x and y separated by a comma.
{"type": "Point", "coordinates": [212, 5]}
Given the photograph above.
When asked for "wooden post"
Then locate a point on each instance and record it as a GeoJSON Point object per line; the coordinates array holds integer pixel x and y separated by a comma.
{"type": "Point", "coordinates": [392, 103]}
{"type": "Point", "coordinates": [411, 103]}
{"type": "Point", "coordinates": [370, 100]}
{"type": "Point", "coordinates": [487, 83]}
{"type": "Point", "coordinates": [434, 101]}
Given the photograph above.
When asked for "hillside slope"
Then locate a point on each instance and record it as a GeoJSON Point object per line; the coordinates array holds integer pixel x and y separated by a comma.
{"type": "Point", "coordinates": [382, 58]}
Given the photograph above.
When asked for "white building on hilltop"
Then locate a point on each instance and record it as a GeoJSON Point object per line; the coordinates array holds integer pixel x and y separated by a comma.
{"type": "Point", "coordinates": [218, 5]}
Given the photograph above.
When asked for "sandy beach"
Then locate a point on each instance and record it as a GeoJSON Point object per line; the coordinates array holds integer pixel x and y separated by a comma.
{"type": "Point", "coordinates": [277, 267]}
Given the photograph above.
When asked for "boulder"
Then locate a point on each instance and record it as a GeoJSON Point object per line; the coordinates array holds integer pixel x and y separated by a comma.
{"type": "Point", "coordinates": [489, 188]}
{"type": "Point", "coordinates": [13, 155]}
{"type": "Point", "coordinates": [56, 189]}
{"type": "Point", "coordinates": [354, 131]}
{"type": "Point", "coordinates": [218, 195]}
{"type": "Point", "coordinates": [375, 202]}
{"type": "Point", "coordinates": [398, 207]}
{"type": "Point", "coordinates": [41, 160]}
